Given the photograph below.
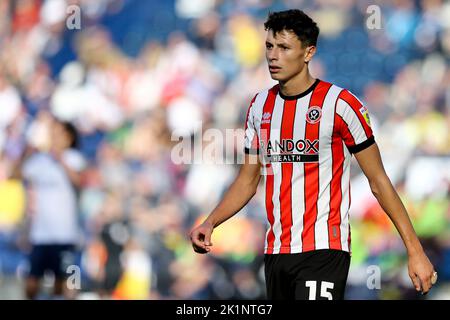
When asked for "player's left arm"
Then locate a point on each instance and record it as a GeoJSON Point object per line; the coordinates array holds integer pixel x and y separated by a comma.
{"type": "Point", "coordinates": [419, 266]}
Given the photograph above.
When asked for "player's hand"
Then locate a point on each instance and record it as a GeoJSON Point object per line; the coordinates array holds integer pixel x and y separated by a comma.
{"type": "Point", "coordinates": [201, 237]}
{"type": "Point", "coordinates": [421, 272]}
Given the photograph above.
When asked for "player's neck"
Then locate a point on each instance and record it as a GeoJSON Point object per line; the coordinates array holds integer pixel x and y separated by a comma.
{"type": "Point", "coordinates": [298, 84]}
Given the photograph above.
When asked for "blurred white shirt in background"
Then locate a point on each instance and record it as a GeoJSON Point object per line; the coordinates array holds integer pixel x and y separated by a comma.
{"type": "Point", "coordinates": [54, 215]}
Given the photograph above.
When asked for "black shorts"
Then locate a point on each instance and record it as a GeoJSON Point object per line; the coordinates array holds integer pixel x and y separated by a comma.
{"type": "Point", "coordinates": [313, 275]}
{"type": "Point", "coordinates": [51, 257]}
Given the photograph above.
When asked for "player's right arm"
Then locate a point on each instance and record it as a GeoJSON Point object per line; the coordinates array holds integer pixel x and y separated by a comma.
{"type": "Point", "coordinates": [240, 192]}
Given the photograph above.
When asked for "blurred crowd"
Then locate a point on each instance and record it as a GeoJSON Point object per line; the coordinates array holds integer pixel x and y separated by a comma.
{"type": "Point", "coordinates": [138, 71]}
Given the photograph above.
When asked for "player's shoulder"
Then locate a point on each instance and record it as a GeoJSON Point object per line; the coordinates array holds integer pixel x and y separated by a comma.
{"type": "Point", "coordinates": [345, 95]}
{"type": "Point", "coordinates": [333, 87]}
{"type": "Point", "coordinates": [264, 93]}
{"type": "Point", "coordinates": [259, 99]}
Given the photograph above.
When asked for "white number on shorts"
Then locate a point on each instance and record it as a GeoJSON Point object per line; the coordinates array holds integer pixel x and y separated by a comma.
{"type": "Point", "coordinates": [324, 287]}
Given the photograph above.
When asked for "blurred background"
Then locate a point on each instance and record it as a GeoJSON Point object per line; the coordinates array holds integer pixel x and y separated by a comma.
{"type": "Point", "coordinates": [136, 71]}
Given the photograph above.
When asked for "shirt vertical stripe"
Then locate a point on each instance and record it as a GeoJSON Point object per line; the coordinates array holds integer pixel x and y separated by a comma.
{"type": "Point", "coordinates": [287, 132]}
{"type": "Point", "coordinates": [298, 191]}
{"type": "Point", "coordinates": [334, 220]}
{"type": "Point", "coordinates": [312, 173]}
{"type": "Point", "coordinates": [269, 175]}
{"type": "Point", "coordinates": [325, 169]}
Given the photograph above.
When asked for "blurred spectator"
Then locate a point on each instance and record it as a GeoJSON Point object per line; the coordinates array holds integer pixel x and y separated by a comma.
{"type": "Point", "coordinates": [52, 173]}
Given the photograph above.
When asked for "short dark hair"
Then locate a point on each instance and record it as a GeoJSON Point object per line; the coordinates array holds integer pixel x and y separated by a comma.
{"type": "Point", "coordinates": [296, 21]}
{"type": "Point", "coordinates": [73, 133]}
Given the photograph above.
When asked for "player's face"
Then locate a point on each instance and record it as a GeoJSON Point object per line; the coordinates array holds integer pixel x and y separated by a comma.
{"type": "Point", "coordinates": [285, 55]}
{"type": "Point", "coordinates": [59, 136]}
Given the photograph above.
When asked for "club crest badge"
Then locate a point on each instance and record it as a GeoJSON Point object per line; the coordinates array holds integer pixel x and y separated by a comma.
{"type": "Point", "coordinates": [313, 114]}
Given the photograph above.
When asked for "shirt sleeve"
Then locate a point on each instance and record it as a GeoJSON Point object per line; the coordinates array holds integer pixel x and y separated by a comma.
{"type": "Point", "coordinates": [251, 142]}
{"type": "Point", "coordinates": [354, 122]}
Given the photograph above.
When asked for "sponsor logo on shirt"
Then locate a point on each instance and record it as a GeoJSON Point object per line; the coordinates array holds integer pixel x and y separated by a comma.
{"type": "Point", "coordinates": [266, 117]}
{"type": "Point", "coordinates": [289, 150]}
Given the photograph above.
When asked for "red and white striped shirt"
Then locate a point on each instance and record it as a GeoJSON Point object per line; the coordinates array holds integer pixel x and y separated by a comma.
{"type": "Point", "coordinates": [306, 143]}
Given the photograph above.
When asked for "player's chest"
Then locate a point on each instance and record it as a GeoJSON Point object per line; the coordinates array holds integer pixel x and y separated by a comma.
{"type": "Point", "coordinates": [302, 125]}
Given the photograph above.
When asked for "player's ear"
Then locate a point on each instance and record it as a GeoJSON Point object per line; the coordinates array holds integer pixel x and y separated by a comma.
{"type": "Point", "coordinates": [309, 53]}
